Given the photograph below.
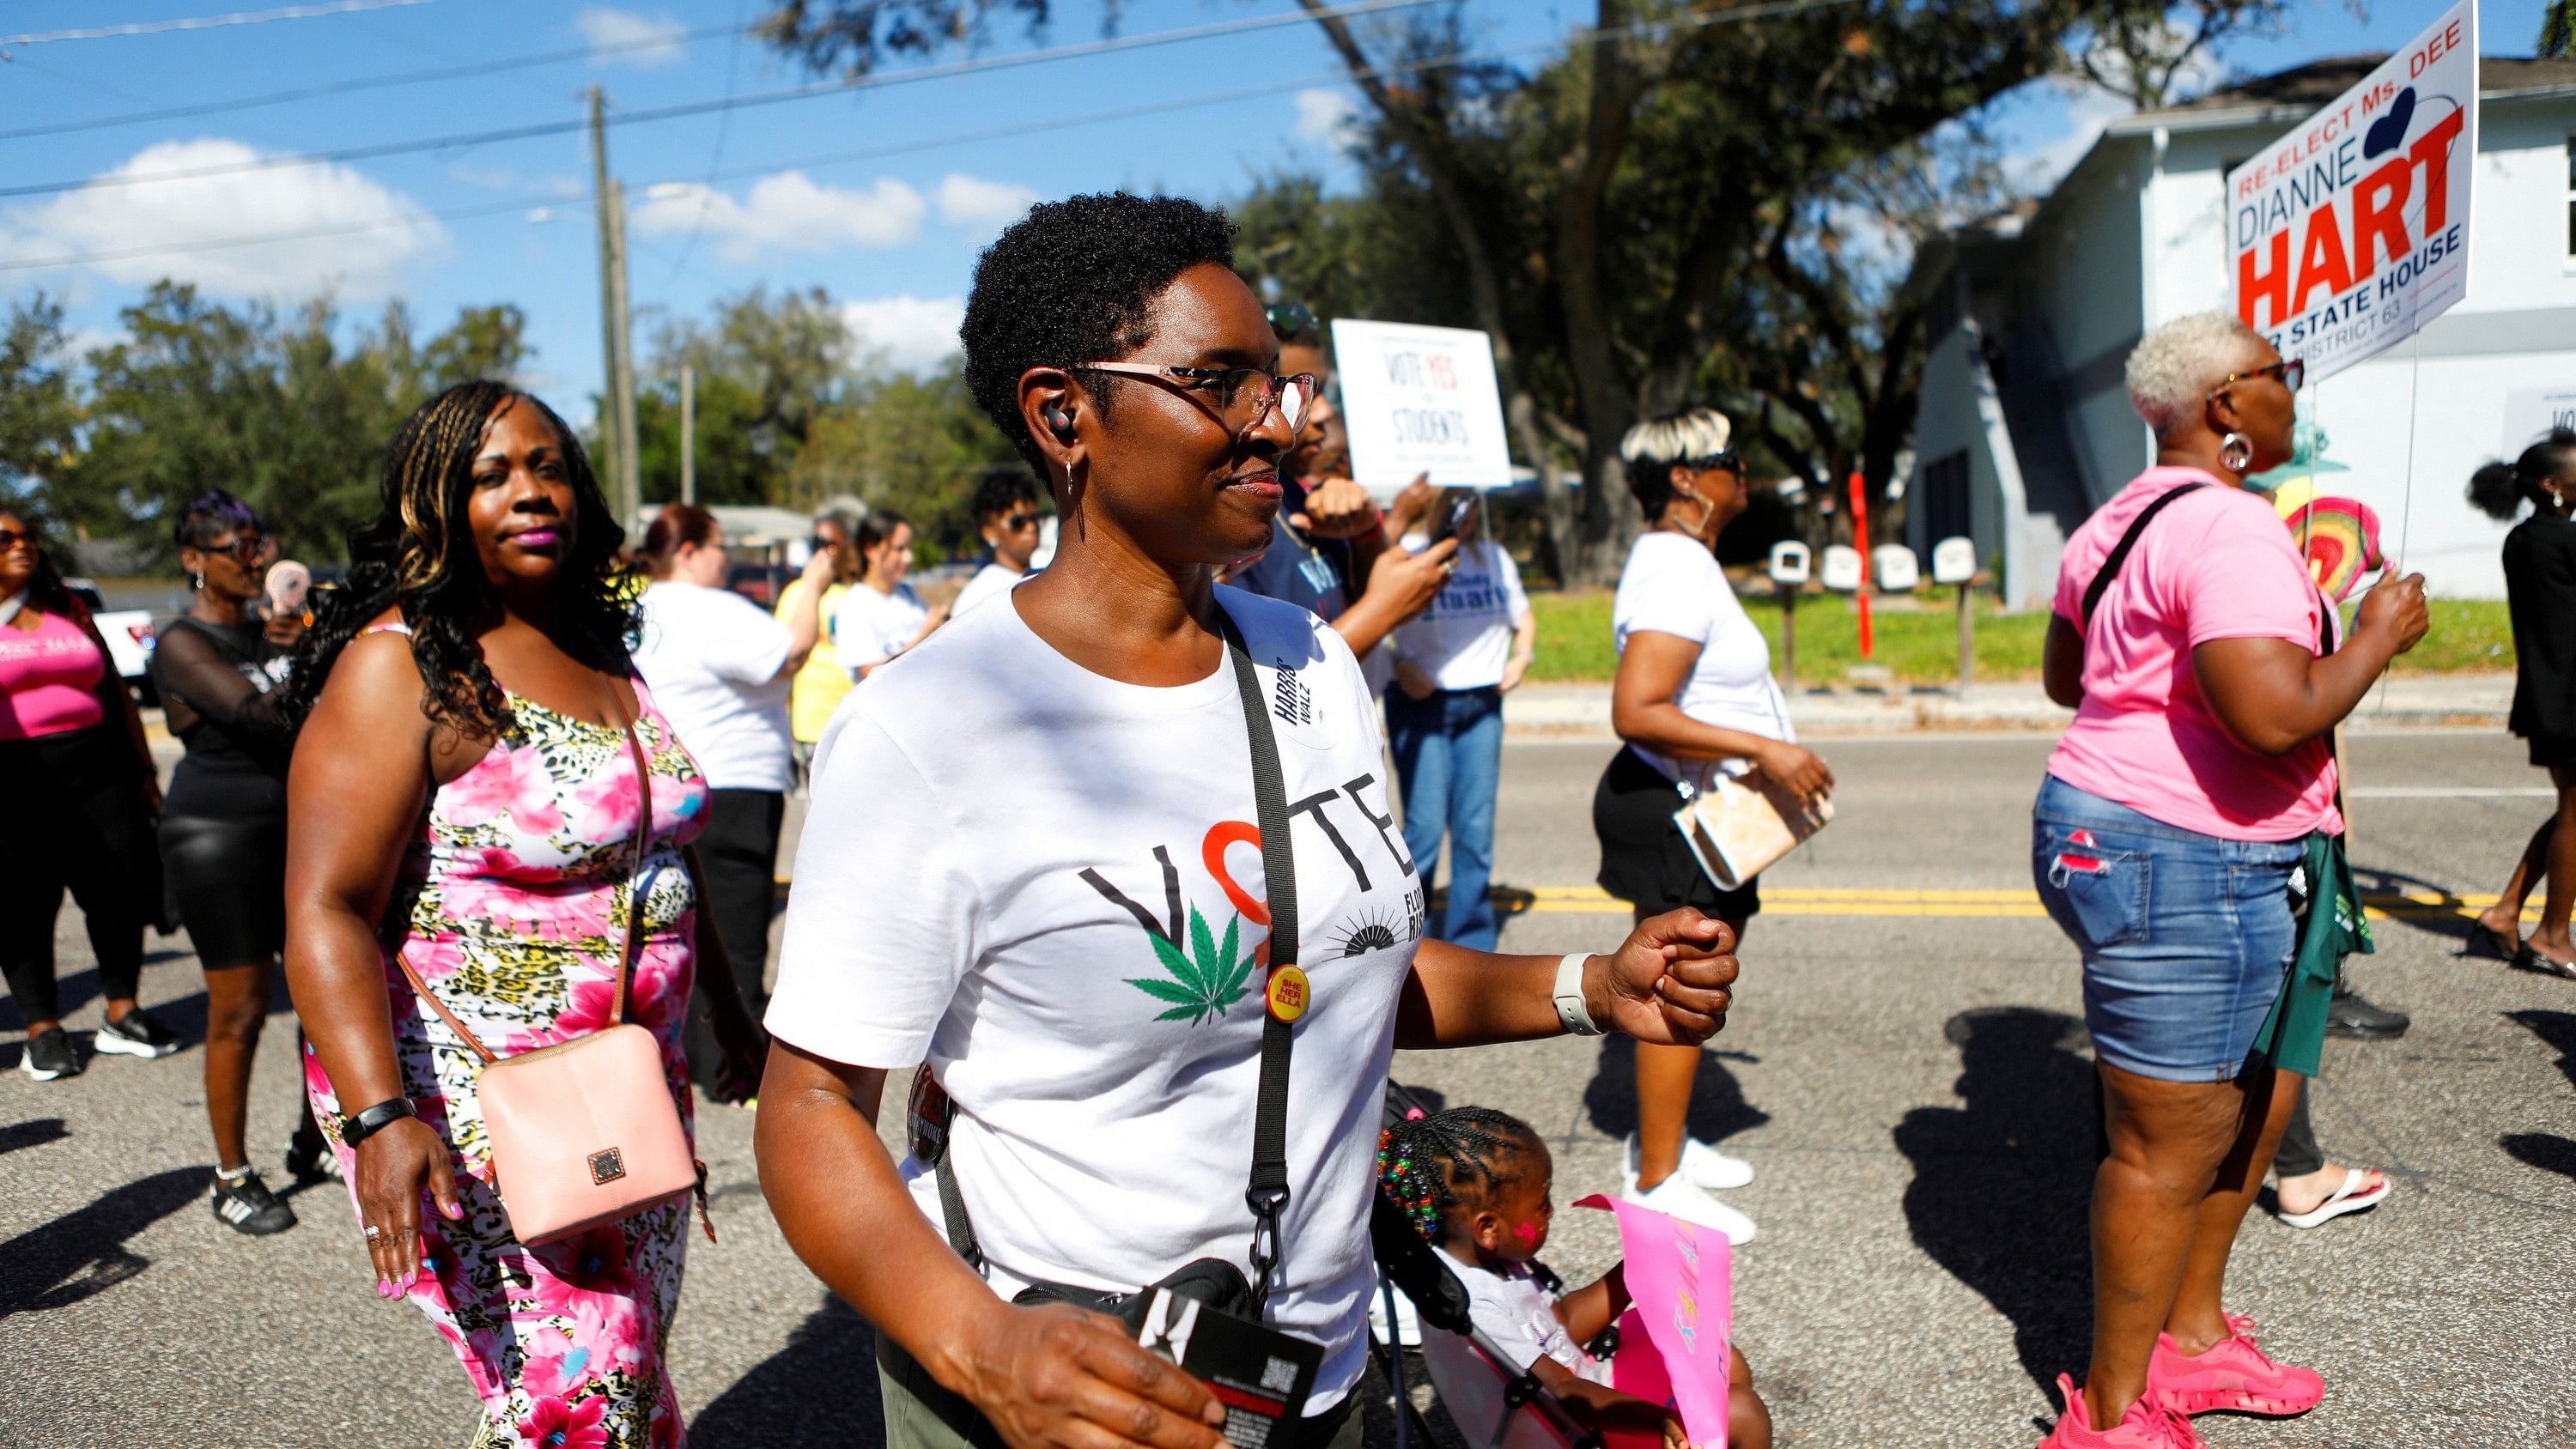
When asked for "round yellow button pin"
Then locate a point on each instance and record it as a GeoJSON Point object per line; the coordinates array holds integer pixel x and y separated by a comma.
{"type": "Point", "coordinates": [1288, 994]}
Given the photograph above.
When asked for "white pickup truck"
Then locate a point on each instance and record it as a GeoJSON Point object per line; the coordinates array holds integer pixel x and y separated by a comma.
{"type": "Point", "coordinates": [129, 637]}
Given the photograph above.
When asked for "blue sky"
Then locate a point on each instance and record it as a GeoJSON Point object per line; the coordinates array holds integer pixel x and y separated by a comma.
{"type": "Point", "coordinates": [892, 235]}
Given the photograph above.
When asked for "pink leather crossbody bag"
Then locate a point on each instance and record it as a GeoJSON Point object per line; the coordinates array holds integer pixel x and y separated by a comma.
{"type": "Point", "coordinates": [583, 1132]}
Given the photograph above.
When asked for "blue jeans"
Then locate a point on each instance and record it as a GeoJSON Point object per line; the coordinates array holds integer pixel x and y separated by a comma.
{"type": "Point", "coordinates": [1449, 756]}
{"type": "Point", "coordinates": [2186, 937]}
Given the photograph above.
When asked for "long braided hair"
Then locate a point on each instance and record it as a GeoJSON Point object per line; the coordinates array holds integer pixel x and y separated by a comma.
{"type": "Point", "coordinates": [418, 555]}
{"type": "Point", "coordinates": [1453, 1161]}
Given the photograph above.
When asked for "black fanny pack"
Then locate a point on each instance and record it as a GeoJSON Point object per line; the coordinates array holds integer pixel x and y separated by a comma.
{"type": "Point", "coordinates": [1212, 1282]}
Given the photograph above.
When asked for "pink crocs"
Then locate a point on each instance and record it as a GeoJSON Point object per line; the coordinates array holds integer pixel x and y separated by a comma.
{"type": "Point", "coordinates": [2233, 1376]}
{"type": "Point", "coordinates": [2149, 1424]}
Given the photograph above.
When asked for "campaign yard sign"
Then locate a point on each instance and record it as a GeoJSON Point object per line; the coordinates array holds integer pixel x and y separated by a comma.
{"type": "Point", "coordinates": [2353, 230]}
{"type": "Point", "coordinates": [1420, 400]}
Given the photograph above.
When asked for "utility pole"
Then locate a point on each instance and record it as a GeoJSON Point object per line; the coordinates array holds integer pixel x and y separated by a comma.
{"type": "Point", "coordinates": [688, 434]}
{"type": "Point", "coordinates": [617, 420]}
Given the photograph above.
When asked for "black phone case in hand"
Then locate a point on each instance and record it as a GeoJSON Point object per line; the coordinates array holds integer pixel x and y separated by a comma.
{"type": "Point", "coordinates": [1261, 1375]}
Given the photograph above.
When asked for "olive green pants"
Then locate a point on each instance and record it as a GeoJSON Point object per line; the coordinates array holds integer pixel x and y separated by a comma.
{"type": "Point", "coordinates": [920, 1414]}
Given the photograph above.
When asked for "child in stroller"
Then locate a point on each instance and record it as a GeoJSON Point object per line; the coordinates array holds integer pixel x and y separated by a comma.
{"type": "Point", "coordinates": [1475, 1184]}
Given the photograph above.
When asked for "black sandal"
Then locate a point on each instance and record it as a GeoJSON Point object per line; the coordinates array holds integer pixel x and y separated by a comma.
{"type": "Point", "coordinates": [2531, 960]}
{"type": "Point", "coordinates": [2483, 935]}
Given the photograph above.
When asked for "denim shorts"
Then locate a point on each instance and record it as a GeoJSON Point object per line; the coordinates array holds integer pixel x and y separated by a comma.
{"type": "Point", "coordinates": [2186, 937]}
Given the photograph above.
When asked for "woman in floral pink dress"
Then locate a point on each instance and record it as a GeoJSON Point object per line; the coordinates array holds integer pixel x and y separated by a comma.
{"type": "Point", "coordinates": [462, 794]}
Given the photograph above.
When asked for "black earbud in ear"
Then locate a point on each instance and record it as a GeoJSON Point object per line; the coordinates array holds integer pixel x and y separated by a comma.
{"type": "Point", "coordinates": [1060, 423]}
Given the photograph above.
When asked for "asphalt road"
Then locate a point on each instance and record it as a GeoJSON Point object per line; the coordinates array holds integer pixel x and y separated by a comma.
{"type": "Point", "coordinates": [1904, 1068]}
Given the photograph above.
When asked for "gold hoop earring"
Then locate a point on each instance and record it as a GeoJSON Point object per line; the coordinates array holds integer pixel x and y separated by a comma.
{"type": "Point", "coordinates": [2236, 451]}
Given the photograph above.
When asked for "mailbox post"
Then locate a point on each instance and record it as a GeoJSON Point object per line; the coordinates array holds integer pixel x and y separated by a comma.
{"type": "Point", "coordinates": [1954, 561]}
{"type": "Point", "coordinates": [1789, 561]}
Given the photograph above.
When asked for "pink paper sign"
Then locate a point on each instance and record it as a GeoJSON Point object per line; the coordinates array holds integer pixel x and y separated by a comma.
{"type": "Point", "coordinates": [1681, 1277]}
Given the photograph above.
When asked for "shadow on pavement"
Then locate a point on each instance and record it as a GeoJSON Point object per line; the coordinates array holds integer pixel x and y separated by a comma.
{"type": "Point", "coordinates": [2558, 1030]}
{"type": "Point", "coordinates": [820, 1389]}
{"type": "Point", "coordinates": [2003, 1185]}
{"type": "Point", "coordinates": [1717, 1106]}
{"type": "Point", "coordinates": [34, 1132]}
{"type": "Point", "coordinates": [83, 1252]}
{"type": "Point", "coordinates": [2544, 1150]}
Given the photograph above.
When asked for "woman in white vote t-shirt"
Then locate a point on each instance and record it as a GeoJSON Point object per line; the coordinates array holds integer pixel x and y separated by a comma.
{"type": "Point", "coordinates": [881, 616]}
{"type": "Point", "coordinates": [719, 667]}
{"type": "Point", "coordinates": [1694, 694]}
{"type": "Point", "coordinates": [1034, 859]}
{"type": "Point", "coordinates": [1444, 717]}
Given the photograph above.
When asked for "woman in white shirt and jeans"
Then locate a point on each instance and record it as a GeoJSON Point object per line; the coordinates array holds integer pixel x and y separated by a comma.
{"type": "Point", "coordinates": [1034, 861]}
{"type": "Point", "coordinates": [882, 616]}
{"type": "Point", "coordinates": [1445, 718]}
{"type": "Point", "coordinates": [1693, 695]}
{"type": "Point", "coordinates": [719, 668]}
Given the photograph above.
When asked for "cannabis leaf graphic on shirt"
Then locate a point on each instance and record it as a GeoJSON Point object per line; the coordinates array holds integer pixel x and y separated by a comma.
{"type": "Point", "coordinates": [1202, 982]}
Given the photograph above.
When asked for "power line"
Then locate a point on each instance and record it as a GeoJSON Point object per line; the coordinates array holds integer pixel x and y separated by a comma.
{"type": "Point", "coordinates": [376, 82]}
{"type": "Point", "coordinates": [957, 138]}
{"type": "Point", "coordinates": [700, 108]}
{"type": "Point", "coordinates": [207, 22]}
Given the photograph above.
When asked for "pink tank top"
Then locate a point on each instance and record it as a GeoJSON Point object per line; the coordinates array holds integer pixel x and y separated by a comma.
{"type": "Point", "coordinates": [48, 679]}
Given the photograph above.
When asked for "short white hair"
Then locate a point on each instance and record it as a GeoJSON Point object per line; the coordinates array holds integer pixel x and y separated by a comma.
{"type": "Point", "coordinates": [2177, 366]}
{"type": "Point", "coordinates": [1682, 437]}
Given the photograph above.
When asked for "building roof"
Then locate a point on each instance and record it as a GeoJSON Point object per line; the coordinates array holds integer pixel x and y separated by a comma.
{"type": "Point", "coordinates": [2291, 94]}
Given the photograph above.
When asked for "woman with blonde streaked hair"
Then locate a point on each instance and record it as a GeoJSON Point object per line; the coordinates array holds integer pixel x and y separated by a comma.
{"type": "Point", "coordinates": [1693, 696]}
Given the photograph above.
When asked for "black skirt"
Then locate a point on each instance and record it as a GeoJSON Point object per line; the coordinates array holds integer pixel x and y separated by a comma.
{"type": "Point", "coordinates": [1643, 858]}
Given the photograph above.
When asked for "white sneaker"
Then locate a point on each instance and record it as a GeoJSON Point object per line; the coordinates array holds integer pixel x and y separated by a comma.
{"type": "Point", "coordinates": [1704, 1165]}
{"type": "Point", "coordinates": [1408, 1322]}
{"type": "Point", "coordinates": [1676, 1196]}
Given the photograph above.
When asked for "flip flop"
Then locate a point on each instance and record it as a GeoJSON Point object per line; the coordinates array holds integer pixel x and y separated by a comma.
{"type": "Point", "coordinates": [2352, 1197]}
{"type": "Point", "coordinates": [2482, 935]}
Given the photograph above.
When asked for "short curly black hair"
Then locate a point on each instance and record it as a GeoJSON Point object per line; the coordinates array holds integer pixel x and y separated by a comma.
{"type": "Point", "coordinates": [1002, 488]}
{"type": "Point", "coordinates": [1071, 282]}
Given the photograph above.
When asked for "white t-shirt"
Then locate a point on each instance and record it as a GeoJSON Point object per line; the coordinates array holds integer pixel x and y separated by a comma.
{"type": "Point", "coordinates": [711, 658]}
{"type": "Point", "coordinates": [1515, 1310]}
{"type": "Point", "coordinates": [1672, 585]}
{"type": "Point", "coordinates": [872, 627]}
{"type": "Point", "coordinates": [1015, 867]}
{"type": "Point", "coordinates": [990, 582]}
{"type": "Point", "coordinates": [1464, 640]}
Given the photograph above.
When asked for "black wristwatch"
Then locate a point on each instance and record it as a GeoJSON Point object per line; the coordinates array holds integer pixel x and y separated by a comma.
{"type": "Point", "coordinates": [363, 1125]}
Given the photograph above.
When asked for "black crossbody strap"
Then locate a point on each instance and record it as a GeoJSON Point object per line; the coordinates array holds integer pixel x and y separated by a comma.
{"type": "Point", "coordinates": [2120, 552]}
{"type": "Point", "coordinates": [1268, 1194]}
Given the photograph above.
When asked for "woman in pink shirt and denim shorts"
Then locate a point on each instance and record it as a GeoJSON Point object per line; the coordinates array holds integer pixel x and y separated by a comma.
{"type": "Point", "coordinates": [2189, 638]}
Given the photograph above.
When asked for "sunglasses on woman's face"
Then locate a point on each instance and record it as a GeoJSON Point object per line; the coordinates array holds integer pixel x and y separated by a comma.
{"type": "Point", "coordinates": [10, 538]}
{"type": "Point", "coordinates": [2289, 374]}
{"type": "Point", "coordinates": [248, 548]}
{"type": "Point", "coordinates": [1018, 522]}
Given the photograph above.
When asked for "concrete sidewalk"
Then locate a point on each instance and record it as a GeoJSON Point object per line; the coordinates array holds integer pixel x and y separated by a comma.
{"type": "Point", "coordinates": [2406, 702]}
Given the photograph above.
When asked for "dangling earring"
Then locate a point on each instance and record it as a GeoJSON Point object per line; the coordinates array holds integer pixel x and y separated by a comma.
{"type": "Point", "coordinates": [197, 582]}
{"type": "Point", "coordinates": [2236, 451]}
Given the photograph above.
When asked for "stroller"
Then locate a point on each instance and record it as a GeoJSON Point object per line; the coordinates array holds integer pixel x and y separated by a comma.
{"type": "Point", "coordinates": [1493, 1405]}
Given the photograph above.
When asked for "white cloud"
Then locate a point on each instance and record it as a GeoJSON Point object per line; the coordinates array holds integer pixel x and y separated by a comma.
{"type": "Point", "coordinates": [389, 232]}
{"type": "Point", "coordinates": [908, 334]}
{"type": "Point", "coordinates": [970, 201]}
{"type": "Point", "coordinates": [657, 42]}
{"type": "Point", "coordinates": [504, 179]}
{"type": "Point", "coordinates": [785, 212]}
{"type": "Point", "coordinates": [1329, 118]}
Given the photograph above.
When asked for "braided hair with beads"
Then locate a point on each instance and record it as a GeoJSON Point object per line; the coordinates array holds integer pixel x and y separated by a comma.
{"type": "Point", "coordinates": [1450, 1161]}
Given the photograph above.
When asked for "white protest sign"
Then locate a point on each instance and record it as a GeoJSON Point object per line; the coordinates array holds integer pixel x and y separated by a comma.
{"type": "Point", "coordinates": [2530, 413]}
{"type": "Point", "coordinates": [1420, 400]}
{"type": "Point", "coordinates": [2352, 231]}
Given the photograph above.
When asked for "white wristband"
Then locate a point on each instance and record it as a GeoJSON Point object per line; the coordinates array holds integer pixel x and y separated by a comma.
{"type": "Point", "coordinates": [1570, 1010]}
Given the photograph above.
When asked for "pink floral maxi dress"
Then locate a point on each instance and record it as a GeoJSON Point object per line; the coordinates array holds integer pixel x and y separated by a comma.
{"type": "Point", "coordinates": [511, 904]}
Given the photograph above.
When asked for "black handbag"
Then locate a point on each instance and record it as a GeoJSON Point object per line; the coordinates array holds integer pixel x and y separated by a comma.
{"type": "Point", "coordinates": [1213, 1282]}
